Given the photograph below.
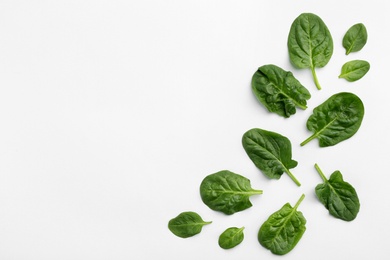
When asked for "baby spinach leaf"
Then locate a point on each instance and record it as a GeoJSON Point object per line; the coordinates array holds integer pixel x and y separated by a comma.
{"type": "Point", "coordinates": [335, 120]}
{"type": "Point", "coordinates": [354, 70]}
{"type": "Point", "coordinates": [355, 38]}
{"type": "Point", "coordinates": [283, 229]}
{"type": "Point", "coordinates": [231, 237]}
{"type": "Point", "coordinates": [187, 224]}
{"type": "Point", "coordinates": [227, 192]}
{"type": "Point", "coordinates": [278, 90]}
{"type": "Point", "coordinates": [310, 44]}
{"type": "Point", "coordinates": [270, 152]}
{"type": "Point", "coordinates": [338, 196]}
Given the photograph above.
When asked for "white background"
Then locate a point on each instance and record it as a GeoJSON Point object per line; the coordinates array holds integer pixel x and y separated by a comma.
{"type": "Point", "coordinates": [112, 113]}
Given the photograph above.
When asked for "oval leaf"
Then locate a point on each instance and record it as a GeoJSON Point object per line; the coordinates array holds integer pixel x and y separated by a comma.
{"type": "Point", "coordinates": [355, 38]}
{"type": "Point", "coordinates": [227, 192]}
{"type": "Point", "coordinates": [186, 224]}
{"type": "Point", "coordinates": [231, 237]}
{"type": "Point", "coordinates": [270, 152]}
{"type": "Point", "coordinates": [335, 120]}
{"type": "Point", "coordinates": [310, 44]}
{"type": "Point", "coordinates": [278, 90]}
{"type": "Point", "coordinates": [338, 196]}
{"type": "Point", "coordinates": [354, 70]}
{"type": "Point", "coordinates": [283, 229]}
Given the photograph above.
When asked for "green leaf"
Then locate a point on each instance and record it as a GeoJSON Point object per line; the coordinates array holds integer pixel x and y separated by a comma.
{"type": "Point", "coordinates": [354, 70]}
{"type": "Point", "coordinates": [310, 44]}
{"type": "Point", "coordinates": [231, 237]}
{"type": "Point", "coordinates": [283, 229]}
{"type": "Point", "coordinates": [278, 90]}
{"type": "Point", "coordinates": [270, 152]}
{"type": "Point", "coordinates": [187, 224]}
{"type": "Point", "coordinates": [338, 196]}
{"type": "Point", "coordinates": [227, 192]}
{"type": "Point", "coordinates": [355, 38]}
{"type": "Point", "coordinates": [335, 120]}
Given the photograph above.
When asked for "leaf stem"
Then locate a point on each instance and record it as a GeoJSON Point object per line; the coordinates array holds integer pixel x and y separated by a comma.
{"type": "Point", "coordinates": [300, 106]}
{"type": "Point", "coordinates": [309, 139]}
{"type": "Point", "coordinates": [299, 201]}
{"type": "Point", "coordinates": [321, 173]}
{"type": "Point", "coordinates": [255, 192]}
{"type": "Point", "coordinates": [313, 72]}
{"type": "Point", "coordinates": [293, 177]}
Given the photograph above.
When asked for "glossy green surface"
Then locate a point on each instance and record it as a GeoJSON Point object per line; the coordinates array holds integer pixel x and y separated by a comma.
{"type": "Point", "coordinates": [227, 192]}
{"type": "Point", "coordinates": [355, 38]}
{"type": "Point", "coordinates": [310, 44]}
{"type": "Point", "coordinates": [281, 232]}
{"type": "Point", "coordinates": [278, 90]}
{"type": "Point", "coordinates": [187, 224]}
{"type": "Point", "coordinates": [270, 152]}
{"type": "Point", "coordinates": [335, 120]}
{"type": "Point", "coordinates": [338, 196]}
{"type": "Point", "coordinates": [354, 70]}
{"type": "Point", "coordinates": [231, 237]}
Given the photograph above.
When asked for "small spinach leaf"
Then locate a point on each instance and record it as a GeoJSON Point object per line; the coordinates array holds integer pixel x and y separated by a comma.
{"type": "Point", "coordinates": [231, 237]}
{"type": "Point", "coordinates": [338, 196]}
{"type": "Point", "coordinates": [270, 152]}
{"type": "Point", "coordinates": [355, 38]}
{"type": "Point", "coordinates": [283, 229]}
{"type": "Point", "coordinates": [310, 44]}
{"type": "Point", "coordinates": [354, 70]}
{"type": "Point", "coordinates": [187, 224]}
{"type": "Point", "coordinates": [278, 90]}
{"type": "Point", "coordinates": [227, 192]}
{"type": "Point", "coordinates": [335, 120]}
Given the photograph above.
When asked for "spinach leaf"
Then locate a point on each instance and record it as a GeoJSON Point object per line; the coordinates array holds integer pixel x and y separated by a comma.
{"type": "Point", "coordinates": [283, 229]}
{"type": "Point", "coordinates": [231, 237]}
{"type": "Point", "coordinates": [227, 192]}
{"type": "Point", "coordinates": [338, 196]}
{"type": "Point", "coordinates": [335, 120]}
{"type": "Point", "coordinates": [187, 224]}
{"type": "Point", "coordinates": [355, 38]}
{"type": "Point", "coordinates": [270, 152]}
{"type": "Point", "coordinates": [278, 90]}
{"type": "Point", "coordinates": [310, 44]}
{"type": "Point", "coordinates": [354, 70]}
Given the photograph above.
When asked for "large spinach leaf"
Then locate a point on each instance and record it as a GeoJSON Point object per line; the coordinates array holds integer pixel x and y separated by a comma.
{"type": "Point", "coordinates": [354, 70]}
{"type": "Point", "coordinates": [227, 192]}
{"type": "Point", "coordinates": [355, 38]}
{"type": "Point", "coordinates": [310, 44]}
{"type": "Point", "coordinates": [278, 90]}
{"type": "Point", "coordinates": [270, 152]}
{"type": "Point", "coordinates": [283, 229]}
{"type": "Point", "coordinates": [187, 224]}
{"type": "Point", "coordinates": [338, 196]}
{"type": "Point", "coordinates": [231, 237]}
{"type": "Point", "coordinates": [335, 120]}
